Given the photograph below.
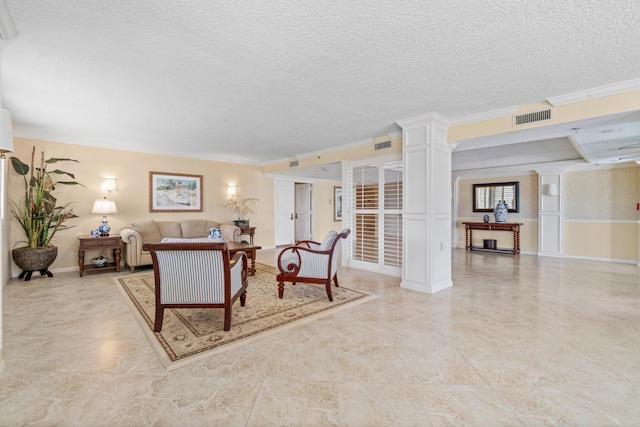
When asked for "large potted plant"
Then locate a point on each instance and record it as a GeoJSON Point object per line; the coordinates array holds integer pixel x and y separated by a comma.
{"type": "Point", "coordinates": [38, 213]}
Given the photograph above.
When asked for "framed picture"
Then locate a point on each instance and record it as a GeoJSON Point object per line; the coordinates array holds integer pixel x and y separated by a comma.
{"type": "Point", "coordinates": [337, 203]}
{"type": "Point", "coordinates": [175, 192]}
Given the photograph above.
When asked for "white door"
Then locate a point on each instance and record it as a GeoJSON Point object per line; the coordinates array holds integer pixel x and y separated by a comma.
{"type": "Point", "coordinates": [302, 216]}
{"type": "Point", "coordinates": [284, 212]}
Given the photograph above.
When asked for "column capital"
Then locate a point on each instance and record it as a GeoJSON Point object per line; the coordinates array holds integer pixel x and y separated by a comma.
{"type": "Point", "coordinates": [424, 120]}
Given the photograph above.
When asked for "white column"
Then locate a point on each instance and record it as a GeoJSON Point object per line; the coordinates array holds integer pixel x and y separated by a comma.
{"type": "Point", "coordinates": [550, 214]}
{"type": "Point", "coordinates": [426, 215]}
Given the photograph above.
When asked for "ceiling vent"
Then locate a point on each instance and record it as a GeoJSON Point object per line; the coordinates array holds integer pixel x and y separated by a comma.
{"type": "Point", "coordinates": [536, 116]}
{"type": "Point", "coordinates": [293, 163]}
{"type": "Point", "coordinates": [382, 145]}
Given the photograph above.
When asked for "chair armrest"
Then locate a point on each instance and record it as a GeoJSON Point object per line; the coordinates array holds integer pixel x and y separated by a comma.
{"type": "Point", "coordinates": [311, 244]}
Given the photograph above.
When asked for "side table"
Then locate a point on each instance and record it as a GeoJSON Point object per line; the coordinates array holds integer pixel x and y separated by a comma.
{"type": "Point", "coordinates": [249, 231]}
{"type": "Point", "coordinates": [109, 242]}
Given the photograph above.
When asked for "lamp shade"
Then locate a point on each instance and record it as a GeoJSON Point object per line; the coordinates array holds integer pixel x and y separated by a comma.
{"type": "Point", "coordinates": [104, 207]}
{"type": "Point", "coordinates": [109, 185]}
{"type": "Point", "coordinates": [6, 133]}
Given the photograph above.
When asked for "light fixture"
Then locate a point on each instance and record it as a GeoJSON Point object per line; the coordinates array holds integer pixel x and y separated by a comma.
{"type": "Point", "coordinates": [109, 185]}
{"type": "Point", "coordinates": [6, 135]}
{"type": "Point", "coordinates": [231, 190]}
{"type": "Point", "coordinates": [550, 190]}
{"type": "Point", "coordinates": [104, 207]}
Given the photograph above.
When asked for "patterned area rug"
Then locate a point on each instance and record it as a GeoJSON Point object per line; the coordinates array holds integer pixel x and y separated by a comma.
{"type": "Point", "coordinates": [189, 335]}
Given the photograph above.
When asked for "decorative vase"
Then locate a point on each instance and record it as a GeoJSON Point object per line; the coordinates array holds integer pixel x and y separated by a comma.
{"type": "Point", "coordinates": [485, 218]}
{"type": "Point", "coordinates": [104, 228]}
{"type": "Point", "coordinates": [34, 259]}
{"type": "Point", "coordinates": [215, 234]}
{"type": "Point", "coordinates": [500, 211]}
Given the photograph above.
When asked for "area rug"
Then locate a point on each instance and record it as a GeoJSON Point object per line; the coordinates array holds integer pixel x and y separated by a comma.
{"type": "Point", "coordinates": [190, 335]}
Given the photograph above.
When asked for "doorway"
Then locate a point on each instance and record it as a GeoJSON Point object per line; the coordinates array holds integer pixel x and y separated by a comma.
{"type": "Point", "coordinates": [294, 211]}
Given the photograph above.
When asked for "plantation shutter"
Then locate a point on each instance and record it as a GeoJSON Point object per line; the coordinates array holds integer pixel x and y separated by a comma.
{"type": "Point", "coordinates": [377, 219]}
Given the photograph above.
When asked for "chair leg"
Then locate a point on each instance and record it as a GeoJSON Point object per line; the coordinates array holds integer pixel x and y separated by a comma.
{"type": "Point", "coordinates": [157, 327]}
{"type": "Point", "coordinates": [335, 280]}
{"type": "Point", "coordinates": [243, 298]}
{"type": "Point", "coordinates": [280, 289]}
{"type": "Point", "coordinates": [328, 286]}
{"type": "Point", "coordinates": [227, 318]}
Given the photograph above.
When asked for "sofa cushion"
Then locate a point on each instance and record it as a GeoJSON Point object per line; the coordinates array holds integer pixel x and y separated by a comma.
{"type": "Point", "coordinates": [169, 228]}
{"type": "Point", "coordinates": [194, 228]}
{"type": "Point", "coordinates": [148, 231]}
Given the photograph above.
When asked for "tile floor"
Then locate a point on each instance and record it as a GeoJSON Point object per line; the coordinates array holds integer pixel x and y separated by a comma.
{"type": "Point", "coordinates": [517, 341]}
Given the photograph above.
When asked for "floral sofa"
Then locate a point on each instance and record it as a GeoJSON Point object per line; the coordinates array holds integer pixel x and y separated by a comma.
{"type": "Point", "coordinates": [154, 231]}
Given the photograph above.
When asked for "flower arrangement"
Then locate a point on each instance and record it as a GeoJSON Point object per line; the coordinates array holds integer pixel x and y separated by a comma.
{"type": "Point", "coordinates": [37, 213]}
{"type": "Point", "coordinates": [241, 208]}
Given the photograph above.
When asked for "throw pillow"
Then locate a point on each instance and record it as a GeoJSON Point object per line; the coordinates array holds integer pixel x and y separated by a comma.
{"type": "Point", "coordinates": [148, 231]}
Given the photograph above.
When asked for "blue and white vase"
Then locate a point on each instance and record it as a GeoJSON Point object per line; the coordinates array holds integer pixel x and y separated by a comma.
{"type": "Point", "coordinates": [500, 211]}
{"type": "Point", "coordinates": [485, 218]}
{"type": "Point", "coordinates": [216, 234]}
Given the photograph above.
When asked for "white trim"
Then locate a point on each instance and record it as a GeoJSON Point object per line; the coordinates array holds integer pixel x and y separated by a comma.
{"type": "Point", "coordinates": [480, 117]}
{"type": "Point", "coordinates": [598, 92]}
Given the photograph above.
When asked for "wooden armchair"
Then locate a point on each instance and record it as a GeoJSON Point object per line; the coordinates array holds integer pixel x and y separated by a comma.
{"type": "Point", "coordinates": [311, 262]}
{"type": "Point", "coordinates": [193, 273]}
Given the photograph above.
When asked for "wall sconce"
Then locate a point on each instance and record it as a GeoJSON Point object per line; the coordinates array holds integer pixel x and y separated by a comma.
{"type": "Point", "coordinates": [231, 190]}
{"type": "Point", "coordinates": [550, 190]}
{"type": "Point", "coordinates": [6, 134]}
{"type": "Point", "coordinates": [109, 185]}
{"type": "Point", "coordinates": [104, 207]}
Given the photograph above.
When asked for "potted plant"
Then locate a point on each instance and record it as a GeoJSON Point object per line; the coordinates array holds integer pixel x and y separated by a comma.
{"type": "Point", "coordinates": [242, 209]}
{"type": "Point", "coordinates": [38, 214]}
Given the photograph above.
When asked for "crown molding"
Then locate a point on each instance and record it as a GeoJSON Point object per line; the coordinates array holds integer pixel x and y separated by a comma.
{"type": "Point", "coordinates": [480, 117]}
{"type": "Point", "coordinates": [598, 92]}
{"type": "Point", "coordinates": [423, 119]}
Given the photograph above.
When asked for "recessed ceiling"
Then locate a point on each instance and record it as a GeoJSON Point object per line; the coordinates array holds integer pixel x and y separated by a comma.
{"type": "Point", "coordinates": [258, 82]}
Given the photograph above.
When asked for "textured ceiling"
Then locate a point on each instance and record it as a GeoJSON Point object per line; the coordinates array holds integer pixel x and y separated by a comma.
{"type": "Point", "coordinates": [258, 82]}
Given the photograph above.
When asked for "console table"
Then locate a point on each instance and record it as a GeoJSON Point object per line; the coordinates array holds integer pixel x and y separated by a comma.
{"type": "Point", "coordinates": [493, 226]}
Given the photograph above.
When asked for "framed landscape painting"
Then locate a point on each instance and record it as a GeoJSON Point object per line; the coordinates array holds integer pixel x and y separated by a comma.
{"type": "Point", "coordinates": [337, 203]}
{"type": "Point", "coordinates": [175, 192]}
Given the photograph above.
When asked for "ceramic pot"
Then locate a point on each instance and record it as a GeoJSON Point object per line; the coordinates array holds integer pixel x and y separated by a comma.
{"type": "Point", "coordinates": [500, 211]}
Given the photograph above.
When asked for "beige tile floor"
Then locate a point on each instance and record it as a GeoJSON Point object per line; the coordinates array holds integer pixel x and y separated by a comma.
{"type": "Point", "coordinates": [517, 341]}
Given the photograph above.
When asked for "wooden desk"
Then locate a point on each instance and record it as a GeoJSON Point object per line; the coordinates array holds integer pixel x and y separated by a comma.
{"type": "Point", "coordinates": [250, 249]}
{"type": "Point", "coordinates": [110, 242]}
{"type": "Point", "coordinates": [249, 231]}
{"type": "Point", "coordinates": [493, 226]}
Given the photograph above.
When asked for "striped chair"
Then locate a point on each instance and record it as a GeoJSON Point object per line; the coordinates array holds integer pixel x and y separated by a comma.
{"type": "Point", "coordinates": [193, 273]}
{"type": "Point", "coordinates": [311, 262]}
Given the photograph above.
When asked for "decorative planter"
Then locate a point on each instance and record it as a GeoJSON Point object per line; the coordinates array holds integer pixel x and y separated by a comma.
{"type": "Point", "coordinates": [34, 259]}
{"type": "Point", "coordinates": [241, 223]}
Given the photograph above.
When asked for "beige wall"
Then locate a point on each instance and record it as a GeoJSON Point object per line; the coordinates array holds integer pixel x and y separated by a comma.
{"type": "Point", "coordinates": [601, 220]}
{"type": "Point", "coordinates": [600, 216]}
{"type": "Point", "coordinates": [132, 198]}
{"type": "Point", "coordinates": [324, 209]}
{"type": "Point", "coordinates": [528, 214]}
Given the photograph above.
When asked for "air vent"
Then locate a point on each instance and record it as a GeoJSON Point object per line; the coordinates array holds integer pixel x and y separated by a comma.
{"type": "Point", "coordinates": [537, 116]}
{"type": "Point", "coordinates": [382, 145]}
{"type": "Point", "coordinates": [294, 163]}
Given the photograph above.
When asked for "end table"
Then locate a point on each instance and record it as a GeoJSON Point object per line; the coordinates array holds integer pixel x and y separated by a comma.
{"type": "Point", "coordinates": [109, 242]}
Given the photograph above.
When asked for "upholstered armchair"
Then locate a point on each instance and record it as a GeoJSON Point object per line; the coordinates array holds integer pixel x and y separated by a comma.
{"type": "Point", "coordinates": [192, 273]}
{"type": "Point", "coordinates": [311, 262]}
